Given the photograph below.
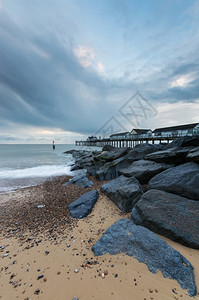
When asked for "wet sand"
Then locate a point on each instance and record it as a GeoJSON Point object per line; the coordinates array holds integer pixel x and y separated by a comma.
{"type": "Point", "coordinates": [47, 255]}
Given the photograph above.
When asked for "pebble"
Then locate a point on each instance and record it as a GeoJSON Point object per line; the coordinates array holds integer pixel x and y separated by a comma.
{"type": "Point", "coordinates": [6, 254]}
{"type": "Point", "coordinates": [174, 291]}
{"type": "Point", "coordinates": [76, 270]}
{"type": "Point", "coordinates": [41, 206]}
{"type": "Point", "coordinates": [75, 298]}
{"type": "Point", "coordinates": [47, 252]}
{"type": "Point", "coordinates": [37, 291]}
{"type": "Point", "coordinates": [40, 276]}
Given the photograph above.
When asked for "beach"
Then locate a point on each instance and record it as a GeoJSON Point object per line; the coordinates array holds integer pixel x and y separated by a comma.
{"type": "Point", "coordinates": [46, 254]}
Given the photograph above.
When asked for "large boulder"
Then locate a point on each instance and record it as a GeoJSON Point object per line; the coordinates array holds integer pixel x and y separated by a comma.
{"type": "Point", "coordinates": [148, 248]}
{"type": "Point", "coordinates": [193, 155]}
{"type": "Point", "coordinates": [182, 180]}
{"type": "Point", "coordinates": [112, 154]}
{"type": "Point", "coordinates": [123, 191]}
{"type": "Point", "coordinates": [80, 180]}
{"type": "Point", "coordinates": [140, 151]}
{"type": "Point", "coordinates": [143, 170]}
{"type": "Point", "coordinates": [83, 206]}
{"type": "Point", "coordinates": [84, 161]}
{"type": "Point", "coordinates": [94, 167]}
{"type": "Point", "coordinates": [170, 215]}
{"type": "Point", "coordinates": [110, 170]}
{"type": "Point", "coordinates": [78, 153]}
{"type": "Point", "coordinates": [170, 156]}
{"type": "Point", "coordinates": [108, 148]}
{"type": "Point", "coordinates": [184, 141]}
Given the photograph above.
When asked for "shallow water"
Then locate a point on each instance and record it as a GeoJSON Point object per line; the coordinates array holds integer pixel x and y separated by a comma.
{"type": "Point", "coordinates": [28, 165]}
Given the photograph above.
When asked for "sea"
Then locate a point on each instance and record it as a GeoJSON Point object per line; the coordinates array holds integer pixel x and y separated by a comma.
{"type": "Point", "coordinates": [29, 165]}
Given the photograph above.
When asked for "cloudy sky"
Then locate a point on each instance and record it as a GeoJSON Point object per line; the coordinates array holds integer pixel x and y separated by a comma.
{"type": "Point", "coordinates": [72, 68]}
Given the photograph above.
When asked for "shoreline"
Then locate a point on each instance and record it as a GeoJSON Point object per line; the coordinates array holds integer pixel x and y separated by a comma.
{"type": "Point", "coordinates": [48, 242]}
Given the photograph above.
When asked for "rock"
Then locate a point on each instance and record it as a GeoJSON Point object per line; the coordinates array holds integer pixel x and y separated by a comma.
{"type": "Point", "coordinates": [75, 178]}
{"type": "Point", "coordinates": [144, 170]}
{"type": "Point", "coordinates": [83, 163]}
{"type": "Point", "coordinates": [123, 191]}
{"type": "Point", "coordinates": [80, 180]}
{"type": "Point", "coordinates": [76, 270]}
{"type": "Point", "coordinates": [84, 182]}
{"type": "Point", "coordinates": [79, 153]}
{"type": "Point", "coordinates": [140, 151]}
{"type": "Point", "coordinates": [171, 156]}
{"type": "Point", "coordinates": [182, 180]}
{"type": "Point", "coordinates": [184, 141]}
{"type": "Point", "coordinates": [83, 205]}
{"type": "Point", "coordinates": [40, 205]}
{"type": "Point", "coordinates": [170, 215]}
{"type": "Point", "coordinates": [110, 170]}
{"type": "Point", "coordinates": [82, 159]}
{"type": "Point", "coordinates": [148, 248]}
{"type": "Point", "coordinates": [112, 154]}
{"type": "Point", "coordinates": [37, 291]}
{"type": "Point", "coordinates": [193, 155]}
{"type": "Point", "coordinates": [94, 167]}
{"type": "Point", "coordinates": [108, 148]}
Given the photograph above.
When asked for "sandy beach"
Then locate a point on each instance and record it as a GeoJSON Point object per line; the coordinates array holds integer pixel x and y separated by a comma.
{"type": "Point", "coordinates": [46, 254]}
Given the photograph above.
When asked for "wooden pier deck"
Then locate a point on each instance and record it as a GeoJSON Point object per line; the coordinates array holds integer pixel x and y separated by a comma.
{"type": "Point", "coordinates": [119, 143]}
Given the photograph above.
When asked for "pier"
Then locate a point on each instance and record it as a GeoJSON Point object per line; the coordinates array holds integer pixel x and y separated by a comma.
{"type": "Point", "coordinates": [140, 136]}
{"type": "Point", "coordinates": [119, 143]}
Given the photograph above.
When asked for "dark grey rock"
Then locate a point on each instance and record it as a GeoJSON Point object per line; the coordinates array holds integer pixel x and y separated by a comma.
{"type": "Point", "coordinates": [82, 207]}
{"type": "Point", "coordinates": [80, 180]}
{"type": "Point", "coordinates": [94, 167]}
{"type": "Point", "coordinates": [184, 141]}
{"type": "Point", "coordinates": [84, 162]}
{"type": "Point", "coordinates": [140, 151]}
{"type": "Point", "coordinates": [148, 248]}
{"type": "Point", "coordinates": [170, 215]}
{"type": "Point", "coordinates": [144, 170]}
{"type": "Point", "coordinates": [182, 180]}
{"type": "Point", "coordinates": [193, 155]}
{"type": "Point", "coordinates": [123, 191]}
{"type": "Point", "coordinates": [82, 158]}
{"type": "Point", "coordinates": [84, 182]}
{"type": "Point", "coordinates": [78, 153]}
{"type": "Point", "coordinates": [171, 156]}
{"type": "Point", "coordinates": [108, 148]}
{"type": "Point", "coordinates": [110, 170]}
{"type": "Point", "coordinates": [113, 154]}
{"type": "Point", "coordinates": [76, 178]}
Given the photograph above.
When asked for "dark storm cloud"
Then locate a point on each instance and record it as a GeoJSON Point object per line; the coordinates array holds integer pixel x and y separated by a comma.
{"type": "Point", "coordinates": [43, 84]}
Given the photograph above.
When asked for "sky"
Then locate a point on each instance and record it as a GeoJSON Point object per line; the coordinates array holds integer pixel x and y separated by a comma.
{"type": "Point", "coordinates": [73, 68]}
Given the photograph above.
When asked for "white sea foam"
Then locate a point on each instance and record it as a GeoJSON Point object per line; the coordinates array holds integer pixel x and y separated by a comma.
{"type": "Point", "coordinates": [39, 171]}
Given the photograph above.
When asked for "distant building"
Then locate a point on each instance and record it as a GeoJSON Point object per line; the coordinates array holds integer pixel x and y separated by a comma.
{"type": "Point", "coordinates": [140, 133]}
{"type": "Point", "coordinates": [91, 138]}
{"type": "Point", "coordinates": [175, 131]}
{"type": "Point", "coordinates": [119, 136]}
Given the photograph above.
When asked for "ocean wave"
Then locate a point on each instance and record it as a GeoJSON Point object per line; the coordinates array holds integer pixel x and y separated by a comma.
{"type": "Point", "coordinates": [39, 171]}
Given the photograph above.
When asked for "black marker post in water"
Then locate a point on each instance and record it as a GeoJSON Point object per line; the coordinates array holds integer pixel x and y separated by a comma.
{"type": "Point", "coordinates": [53, 145]}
